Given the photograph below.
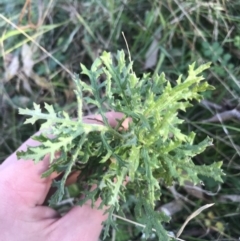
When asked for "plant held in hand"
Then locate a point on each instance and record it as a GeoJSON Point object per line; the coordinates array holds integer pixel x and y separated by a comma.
{"type": "Point", "coordinates": [153, 147]}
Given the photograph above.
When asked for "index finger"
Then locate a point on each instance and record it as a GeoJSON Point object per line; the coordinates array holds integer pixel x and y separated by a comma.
{"type": "Point", "coordinates": [112, 118]}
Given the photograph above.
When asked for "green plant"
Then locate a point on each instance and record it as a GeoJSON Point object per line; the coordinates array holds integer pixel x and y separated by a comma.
{"type": "Point", "coordinates": [153, 148]}
{"type": "Point", "coordinates": [215, 53]}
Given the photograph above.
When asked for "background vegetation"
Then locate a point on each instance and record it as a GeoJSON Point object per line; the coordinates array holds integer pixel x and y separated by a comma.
{"type": "Point", "coordinates": [42, 42]}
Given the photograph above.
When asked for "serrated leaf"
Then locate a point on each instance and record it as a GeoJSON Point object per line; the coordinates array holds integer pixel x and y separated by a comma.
{"type": "Point", "coordinates": [133, 162]}
{"type": "Point", "coordinates": [152, 148]}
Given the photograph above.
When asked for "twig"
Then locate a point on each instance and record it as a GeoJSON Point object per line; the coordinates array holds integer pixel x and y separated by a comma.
{"type": "Point", "coordinates": [142, 225]}
{"type": "Point", "coordinates": [193, 215]}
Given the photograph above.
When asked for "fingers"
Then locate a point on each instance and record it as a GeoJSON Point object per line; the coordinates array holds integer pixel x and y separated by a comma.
{"type": "Point", "coordinates": [112, 118]}
{"type": "Point", "coordinates": [25, 176]}
{"type": "Point", "coordinates": [72, 178]}
{"type": "Point", "coordinates": [84, 222]}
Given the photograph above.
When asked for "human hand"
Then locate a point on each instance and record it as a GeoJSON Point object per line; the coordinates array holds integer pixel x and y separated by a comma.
{"type": "Point", "coordinates": [23, 192]}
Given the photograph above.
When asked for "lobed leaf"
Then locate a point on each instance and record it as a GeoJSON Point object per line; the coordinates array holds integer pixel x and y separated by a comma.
{"type": "Point", "coordinates": [153, 148]}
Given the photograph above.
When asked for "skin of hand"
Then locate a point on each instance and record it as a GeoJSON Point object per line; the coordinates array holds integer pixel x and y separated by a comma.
{"type": "Point", "coordinates": [22, 193]}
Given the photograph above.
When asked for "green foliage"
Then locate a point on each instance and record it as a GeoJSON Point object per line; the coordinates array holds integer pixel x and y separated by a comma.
{"type": "Point", "coordinates": [236, 41]}
{"type": "Point", "coordinates": [215, 53]}
{"type": "Point", "coordinates": [153, 148]}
